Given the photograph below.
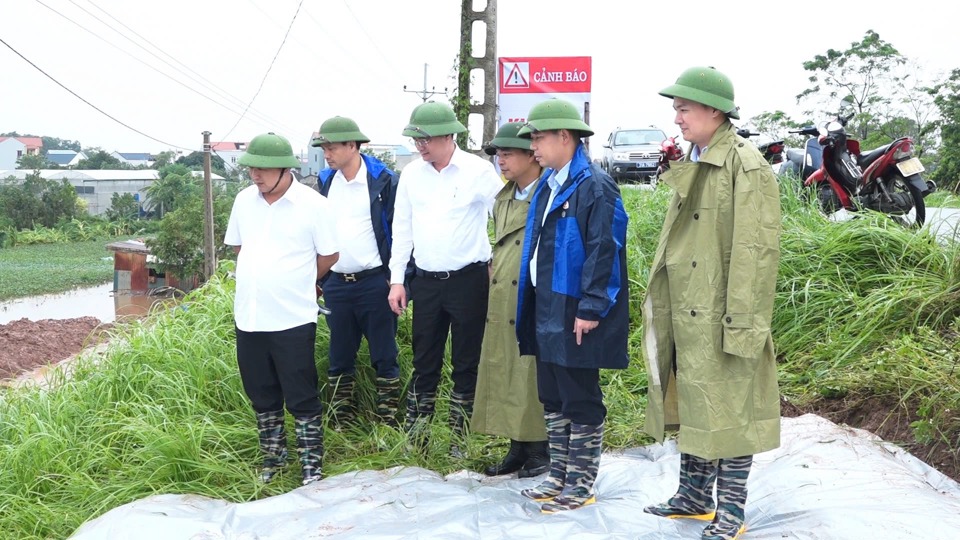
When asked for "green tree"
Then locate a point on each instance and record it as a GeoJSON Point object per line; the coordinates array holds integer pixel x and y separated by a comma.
{"type": "Point", "coordinates": [164, 158]}
{"type": "Point", "coordinates": [862, 72]}
{"type": "Point", "coordinates": [175, 185]}
{"type": "Point", "coordinates": [35, 162]}
{"type": "Point", "coordinates": [178, 245]}
{"type": "Point", "coordinates": [774, 125]}
{"type": "Point", "coordinates": [123, 207]}
{"type": "Point", "coordinates": [194, 161]}
{"type": "Point", "coordinates": [53, 143]}
{"type": "Point", "coordinates": [100, 159]}
{"type": "Point", "coordinates": [37, 201]}
{"type": "Point", "coordinates": [946, 96]}
{"type": "Point", "coordinates": [59, 202]}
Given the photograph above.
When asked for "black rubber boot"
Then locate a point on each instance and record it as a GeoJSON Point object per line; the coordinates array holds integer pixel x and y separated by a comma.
{"type": "Point", "coordinates": [273, 444]}
{"type": "Point", "coordinates": [538, 459]}
{"type": "Point", "coordinates": [512, 462]}
{"type": "Point", "coordinates": [310, 447]}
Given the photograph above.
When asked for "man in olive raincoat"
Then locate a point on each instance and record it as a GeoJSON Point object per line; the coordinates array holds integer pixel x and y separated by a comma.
{"type": "Point", "coordinates": [506, 400]}
{"type": "Point", "coordinates": [709, 353]}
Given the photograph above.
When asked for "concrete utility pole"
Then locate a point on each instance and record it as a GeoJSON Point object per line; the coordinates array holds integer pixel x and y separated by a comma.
{"type": "Point", "coordinates": [209, 255]}
{"type": "Point", "coordinates": [465, 104]}
{"type": "Point", "coordinates": [425, 94]}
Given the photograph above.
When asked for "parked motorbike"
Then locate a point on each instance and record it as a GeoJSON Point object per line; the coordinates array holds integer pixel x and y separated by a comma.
{"type": "Point", "coordinates": [772, 150]}
{"type": "Point", "coordinates": [802, 162]}
{"type": "Point", "coordinates": [886, 179]}
{"type": "Point", "coordinates": [669, 151]}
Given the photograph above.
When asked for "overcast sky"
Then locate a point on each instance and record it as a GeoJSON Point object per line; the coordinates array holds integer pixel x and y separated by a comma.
{"type": "Point", "coordinates": [191, 66]}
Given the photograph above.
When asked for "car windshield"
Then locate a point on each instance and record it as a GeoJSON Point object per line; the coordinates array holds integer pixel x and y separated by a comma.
{"type": "Point", "coordinates": [639, 136]}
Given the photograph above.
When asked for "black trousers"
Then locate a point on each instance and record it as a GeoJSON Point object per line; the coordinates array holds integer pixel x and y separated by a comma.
{"type": "Point", "coordinates": [456, 306]}
{"type": "Point", "coordinates": [574, 392]}
{"type": "Point", "coordinates": [279, 367]}
{"type": "Point", "coordinates": [360, 309]}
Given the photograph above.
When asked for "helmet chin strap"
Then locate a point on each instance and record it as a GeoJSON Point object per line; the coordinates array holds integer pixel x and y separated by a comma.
{"type": "Point", "coordinates": [279, 178]}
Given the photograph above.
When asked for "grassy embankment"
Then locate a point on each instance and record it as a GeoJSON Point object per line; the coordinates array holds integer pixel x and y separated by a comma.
{"type": "Point", "coordinates": [51, 268]}
{"type": "Point", "coordinates": [864, 308]}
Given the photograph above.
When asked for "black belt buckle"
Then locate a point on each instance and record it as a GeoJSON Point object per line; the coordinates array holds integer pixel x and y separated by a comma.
{"type": "Point", "coordinates": [352, 278]}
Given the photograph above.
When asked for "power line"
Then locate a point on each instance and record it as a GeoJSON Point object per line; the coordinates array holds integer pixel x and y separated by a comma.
{"type": "Point", "coordinates": [264, 80]}
{"type": "Point", "coordinates": [98, 109]}
{"type": "Point", "coordinates": [203, 82]}
{"type": "Point", "coordinates": [128, 53]}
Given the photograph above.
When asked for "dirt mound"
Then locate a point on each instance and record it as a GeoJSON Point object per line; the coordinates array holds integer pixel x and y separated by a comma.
{"type": "Point", "coordinates": [26, 345]}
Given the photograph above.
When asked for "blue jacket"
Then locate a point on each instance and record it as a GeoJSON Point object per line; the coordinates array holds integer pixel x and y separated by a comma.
{"type": "Point", "coordinates": [382, 184]}
{"type": "Point", "coordinates": [581, 271]}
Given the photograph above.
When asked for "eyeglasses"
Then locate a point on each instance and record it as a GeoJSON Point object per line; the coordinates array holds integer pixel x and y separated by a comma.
{"type": "Point", "coordinates": [422, 141]}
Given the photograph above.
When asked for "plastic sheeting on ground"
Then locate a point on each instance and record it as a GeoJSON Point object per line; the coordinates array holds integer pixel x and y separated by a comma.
{"type": "Point", "coordinates": [825, 482]}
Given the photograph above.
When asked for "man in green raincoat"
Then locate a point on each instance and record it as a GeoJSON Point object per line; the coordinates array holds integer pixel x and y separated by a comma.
{"type": "Point", "coordinates": [506, 399]}
{"type": "Point", "coordinates": [709, 353]}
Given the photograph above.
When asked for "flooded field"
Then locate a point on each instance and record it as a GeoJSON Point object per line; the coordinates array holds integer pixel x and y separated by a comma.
{"type": "Point", "coordinates": [100, 302]}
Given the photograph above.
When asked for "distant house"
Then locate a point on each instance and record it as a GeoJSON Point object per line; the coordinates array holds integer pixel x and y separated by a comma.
{"type": "Point", "coordinates": [134, 159]}
{"type": "Point", "coordinates": [96, 187]}
{"type": "Point", "coordinates": [14, 148]}
{"type": "Point", "coordinates": [314, 162]}
{"type": "Point", "coordinates": [65, 158]}
{"type": "Point", "coordinates": [229, 152]}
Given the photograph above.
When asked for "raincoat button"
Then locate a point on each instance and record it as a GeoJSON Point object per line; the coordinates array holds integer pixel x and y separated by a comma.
{"type": "Point", "coordinates": [514, 282]}
{"type": "Point", "coordinates": [694, 264]}
{"type": "Point", "coordinates": [729, 320]}
{"type": "Point", "coordinates": [511, 322]}
{"type": "Point", "coordinates": [696, 216]}
{"type": "Point", "coordinates": [494, 281]}
{"type": "Point", "coordinates": [517, 242]}
{"type": "Point", "coordinates": [679, 205]}
{"type": "Point", "coordinates": [740, 145]}
{"type": "Point", "coordinates": [693, 313]}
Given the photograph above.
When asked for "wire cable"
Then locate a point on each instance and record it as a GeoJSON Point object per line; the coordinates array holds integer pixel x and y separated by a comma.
{"type": "Point", "coordinates": [267, 73]}
{"type": "Point", "coordinates": [98, 109]}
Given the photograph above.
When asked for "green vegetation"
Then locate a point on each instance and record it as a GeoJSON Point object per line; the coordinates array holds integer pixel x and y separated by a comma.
{"type": "Point", "coordinates": [51, 268]}
{"type": "Point", "coordinates": [865, 307]}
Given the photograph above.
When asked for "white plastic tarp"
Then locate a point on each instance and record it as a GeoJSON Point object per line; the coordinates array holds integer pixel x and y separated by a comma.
{"type": "Point", "coordinates": [825, 482]}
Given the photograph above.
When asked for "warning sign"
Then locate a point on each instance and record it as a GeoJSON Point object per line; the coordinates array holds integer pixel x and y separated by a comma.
{"type": "Point", "coordinates": [526, 81]}
{"type": "Point", "coordinates": [516, 74]}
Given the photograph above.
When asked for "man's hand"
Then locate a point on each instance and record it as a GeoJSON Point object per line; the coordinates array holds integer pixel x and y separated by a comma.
{"type": "Point", "coordinates": [581, 327]}
{"type": "Point", "coordinates": [397, 298]}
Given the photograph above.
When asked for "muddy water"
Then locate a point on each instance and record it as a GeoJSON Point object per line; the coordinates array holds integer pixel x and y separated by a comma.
{"type": "Point", "coordinates": [100, 302]}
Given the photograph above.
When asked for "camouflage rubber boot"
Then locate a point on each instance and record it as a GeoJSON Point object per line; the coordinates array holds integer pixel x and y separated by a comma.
{"type": "Point", "coordinates": [273, 444]}
{"type": "Point", "coordinates": [342, 408]}
{"type": "Point", "coordinates": [537, 459]}
{"type": "Point", "coordinates": [558, 439]}
{"type": "Point", "coordinates": [461, 409]}
{"type": "Point", "coordinates": [694, 497]}
{"type": "Point", "coordinates": [729, 523]}
{"type": "Point", "coordinates": [420, 409]}
{"type": "Point", "coordinates": [310, 447]}
{"type": "Point", "coordinates": [584, 463]}
{"type": "Point", "coordinates": [388, 400]}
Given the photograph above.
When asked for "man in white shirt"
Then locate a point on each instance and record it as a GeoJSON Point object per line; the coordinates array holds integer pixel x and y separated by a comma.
{"type": "Point", "coordinates": [444, 202]}
{"type": "Point", "coordinates": [283, 235]}
{"type": "Point", "coordinates": [362, 190]}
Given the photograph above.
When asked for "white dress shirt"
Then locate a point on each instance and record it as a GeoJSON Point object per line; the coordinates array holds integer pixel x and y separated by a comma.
{"type": "Point", "coordinates": [443, 215]}
{"type": "Point", "coordinates": [350, 203]}
{"type": "Point", "coordinates": [277, 264]}
{"type": "Point", "coordinates": [554, 182]}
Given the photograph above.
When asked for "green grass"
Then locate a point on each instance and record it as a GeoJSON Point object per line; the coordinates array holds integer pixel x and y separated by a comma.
{"type": "Point", "coordinates": [863, 307]}
{"type": "Point", "coordinates": [52, 268]}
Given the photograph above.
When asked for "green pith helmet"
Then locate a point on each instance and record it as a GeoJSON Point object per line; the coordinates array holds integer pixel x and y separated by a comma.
{"type": "Point", "coordinates": [704, 85]}
{"type": "Point", "coordinates": [339, 129]}
{"type": "Point", "coordinates": [552, 114]}
{"type": "Point", "coordinates": [431, 119]}
{"type": "Point", "coordinates": [506, 137]}
{"type": "Point", "coordinates": [269, 151]}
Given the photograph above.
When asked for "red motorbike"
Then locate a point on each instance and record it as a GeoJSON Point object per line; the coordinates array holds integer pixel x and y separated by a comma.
{"type": "Point", "coordinates": [886, 179]}
{"type": "Point", "coordinates": [669, 151]}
